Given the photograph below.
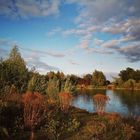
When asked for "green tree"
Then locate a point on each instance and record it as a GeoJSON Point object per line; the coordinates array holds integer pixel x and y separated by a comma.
{"type": "Point", "coordinates": [14, 71]}
{"type": "Point", "coordinates": [98, 78]}
{"type": "Point", "coordinates": [53, 88]}
{"type": "Point", "coordinates": [51, 74]}
{"type": "Point", "coordinates": [32, 83]}
{"type": "Point", "coordinates": [68, 86]}
{"type": "Point", "coordinates": [127, 74]}
{"type": "Point", "coordinates": [38, 83]}
{"type": "Point", "coordinates": [137, 75]}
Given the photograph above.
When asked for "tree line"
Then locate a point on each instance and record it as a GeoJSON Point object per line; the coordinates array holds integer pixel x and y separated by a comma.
{"type": "Point", "coordinates": [13, 71]}
{"type": "Point", "coordinates": [128, 78]}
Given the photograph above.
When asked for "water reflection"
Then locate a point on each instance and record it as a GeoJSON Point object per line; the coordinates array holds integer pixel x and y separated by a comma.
{"type": "Point", "coordinates": [124, 102]}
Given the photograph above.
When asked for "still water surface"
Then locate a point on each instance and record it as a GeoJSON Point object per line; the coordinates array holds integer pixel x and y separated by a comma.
{"type": "Point", "coordinates": [121, 101]}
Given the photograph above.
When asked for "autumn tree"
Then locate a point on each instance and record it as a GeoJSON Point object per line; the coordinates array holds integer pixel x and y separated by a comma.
{"type": "Point", "coordinates": [98, 78]}
{"type": "Point", "coordinates": [100, 102]}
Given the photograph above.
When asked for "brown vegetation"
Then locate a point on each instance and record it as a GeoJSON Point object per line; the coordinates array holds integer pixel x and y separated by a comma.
{"type": "Point", "coordinates": [34, 109]}
{"type": "Point", "coordinates": [12, 96]}
{"type": "Point", "coordinates": [100, 101]}
{"type": "Point", "coordinates": [65, 100]}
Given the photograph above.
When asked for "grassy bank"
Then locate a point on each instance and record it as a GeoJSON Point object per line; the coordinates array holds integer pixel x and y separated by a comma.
{"type": "Point", "coordinates": [78, 124]}
{"type": "Point", "coordinates": [105, 127]}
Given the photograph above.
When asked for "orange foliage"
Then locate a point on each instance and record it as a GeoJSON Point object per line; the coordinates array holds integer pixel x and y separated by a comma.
{"type": "Point", "coordinates": [65, 100]}
{"type": "Point", "coordinates": [113, 118]}
{"type": "Point", "coordinates": [13, 95]}
{"type": "Point", "coordinates": [34, 109]}
{"type": "Point", "coordinates": [100, 101]}
{"type": "Point", "coordinates": [51, 101]}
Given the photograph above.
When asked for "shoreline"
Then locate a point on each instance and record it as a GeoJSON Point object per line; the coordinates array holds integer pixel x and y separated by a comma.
{"type": "Point", "coordinates": [105, 88]}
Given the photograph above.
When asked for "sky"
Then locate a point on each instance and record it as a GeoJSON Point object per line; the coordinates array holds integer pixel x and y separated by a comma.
{"type": "Point", "coordinates": [73, 36]}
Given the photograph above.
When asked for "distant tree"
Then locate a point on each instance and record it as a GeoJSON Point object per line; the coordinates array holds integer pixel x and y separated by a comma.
{"type": "Point", "coordinates": [137, 75]}
{"type": "Point", "coordinates": [87, 79]}
{"type": "Point", "coordinates": [127, 74]}
{"type": "Point", "coordinates": [130, 73]}
{"type": "Point", "coordinates": [68, 86]}
{"type": "Point", "coordinates": [51, 74]}
{"type": "Point", "coordinates": [73, 79]}
{"type": "Point", "coordinates": [98, 78]}
{"type": "Point", "coordinates": [60, 75]}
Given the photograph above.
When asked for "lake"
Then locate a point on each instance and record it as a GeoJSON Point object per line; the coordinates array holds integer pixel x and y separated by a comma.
{"type": "Point", "coordinates": [121, 101]}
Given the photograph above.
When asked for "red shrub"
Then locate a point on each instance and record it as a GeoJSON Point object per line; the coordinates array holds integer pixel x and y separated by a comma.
{"type": "Point", "coordinates": [100, 102]}
{"type": "Point", "coordinates": [34, 109]}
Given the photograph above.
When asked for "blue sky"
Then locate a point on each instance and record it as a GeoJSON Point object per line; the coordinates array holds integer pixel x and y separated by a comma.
{"type": "Point", "coordinates": [73, 36]}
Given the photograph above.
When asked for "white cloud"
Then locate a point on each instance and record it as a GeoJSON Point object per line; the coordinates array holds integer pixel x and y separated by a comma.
{"type": "Point", "coordinates": [34, 60]}
{"type": "Point", "coordinates": [131, 52]}
{"type": "Point", "coordinates": [50, 53]}
{"type": "Point", "coordinates": [84, 44]}
{"type": "Point", "coordinates": [73, 62]}
{"type": "Point", "coordinates": [29, 8]}
{"type": "Point", "coordinates": [101, 10]}
{"type": "Point", "coordinates": [115, 17]}
{"type": "Point", "coordinates": [111, 44]}
{"type": "Point", "coordinates": [97, 42]}
{"type": "Point", "coordinates": [123, 27]}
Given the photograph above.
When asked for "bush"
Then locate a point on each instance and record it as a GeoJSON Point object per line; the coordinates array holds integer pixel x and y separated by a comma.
{"type": "Point", "coordinates": [65, 100]}
{"type": "Point", "coordinates": [100, 102]}
{"type": "Point", "coordinates": [34, 109]}
{"type": "Point", "coordinates": [59, 124]}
